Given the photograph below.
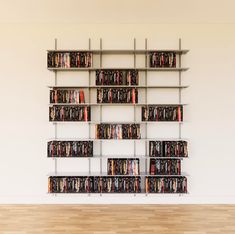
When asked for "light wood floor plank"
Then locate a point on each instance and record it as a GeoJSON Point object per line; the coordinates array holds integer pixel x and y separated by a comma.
{"type": "Point", "coordinates": [117, 219]}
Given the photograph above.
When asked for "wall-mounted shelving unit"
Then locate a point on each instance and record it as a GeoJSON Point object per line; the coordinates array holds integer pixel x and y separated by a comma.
{"type": "Point", "coordinates": [144, 182]}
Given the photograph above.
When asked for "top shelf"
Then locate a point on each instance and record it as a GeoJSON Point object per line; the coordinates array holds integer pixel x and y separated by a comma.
{"type": "Point", "coordinates": [122, 51]}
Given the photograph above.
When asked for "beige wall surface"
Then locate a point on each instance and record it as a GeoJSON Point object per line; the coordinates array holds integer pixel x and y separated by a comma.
{"type": "Point", "coordinates": [118, 11]}
{"type": "Point", "coordinates": [24, 126]}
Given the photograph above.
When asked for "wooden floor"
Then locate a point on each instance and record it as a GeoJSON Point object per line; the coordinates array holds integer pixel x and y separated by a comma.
{"type": "Point", "coordinates": [111, 219]}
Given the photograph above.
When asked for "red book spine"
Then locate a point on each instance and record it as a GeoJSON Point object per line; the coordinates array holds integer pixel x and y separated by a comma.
{"type": "Point", "coordinates": [56, 97]}
{"type": "Point", "coordinates": [179, 113]}
{"type": "Point", "coordinates": [133, 96]}
{"type": "Point", "coordinates": [81, 97]}
{"type": "Point", "coordinates": [152, 168]}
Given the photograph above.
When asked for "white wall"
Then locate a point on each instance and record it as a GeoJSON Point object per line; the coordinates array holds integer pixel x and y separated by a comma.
{"type": "Point", "coordinates": [24, 101]}
{"type": "Point", "coordinates": [24, 126]}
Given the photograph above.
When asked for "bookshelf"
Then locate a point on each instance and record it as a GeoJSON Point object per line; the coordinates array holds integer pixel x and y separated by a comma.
{"type": "Point", "coordinates": [102, 182]}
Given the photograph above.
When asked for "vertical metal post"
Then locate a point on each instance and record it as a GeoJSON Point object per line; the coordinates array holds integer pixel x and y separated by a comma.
{"type": "Point", "coordinates": [101, 111]}
{"type": "Point", "coordinates": [89, 101]}
{"type": "Point", "coordinates": [55, 165]}
{"type": "Point", "coordinates": [146, 92]}
{"type": "Point", "coordinates": [134, 103]}
{"type": "Point", "coordinates": [134, 53]}
{"type": "Point", "coordinates": [146, 102]}
{"type": "Point", "coordinates": [180, 126]}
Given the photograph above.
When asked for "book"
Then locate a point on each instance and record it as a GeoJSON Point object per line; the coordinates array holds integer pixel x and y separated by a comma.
{"type": "Point", "coordinates": [94, 184]}
{"type": "Point", "coordinates": [162, 113]}
{"type": "Point", "coordinates": [74, 96]}
{"type": "Point", "coordinates": [117, 95]}
{"type": "Point", "coordinates": [168, 149]}
{"type": "Point", "coordinates": [117, 77]}
{"type": "Point", "coordinates": [166, 184]}
{"type": "Point", "coordinates": [165, 166]}
{"type": "Point", "coordinates": [162, 59]}
{"type": "Point", "coordinates": [69, 113]}
{"type": "Point", "coordinates": [70, 149]}
{"type": "Point", "coordinates": [121, 166]}
{"type": "Point", "coordinates": [117, 131]}
{"type": "Point", "coordinates": [69, 59]}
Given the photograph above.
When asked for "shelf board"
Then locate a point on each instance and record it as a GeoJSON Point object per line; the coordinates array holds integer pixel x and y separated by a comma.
{"type": "Point", "coordinates": [115, 104]}
{"type": "Point", "coordinates": [150, 157]}
{"type": "Point", "coordinates": [148, 175]}
{"type": "Point", "coordinates": [94, 139]}
{"type": "Point", "coordinates": [99, 68]}
{"type": "Point", "coordinates": [77, 174]}
{"type": "Point", "coordinates": [121, 86]}
{"type": "Point", "coordinates": [74, 174]}
{"type": "Point", "coordinates": [142, 193]}
{"type": "Point", "coordinates": [141, 122]}
{"type": "Point", "coordinates": [97, 193]}
{"type": "Point", "coordinates": [117, 157]}
{"type": "Point", "coordinates": [127, 51]}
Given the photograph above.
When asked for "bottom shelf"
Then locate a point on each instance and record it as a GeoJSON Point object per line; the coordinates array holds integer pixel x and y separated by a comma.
{"type": "Point", "coordinates": [143, 192]}
{"type": "Point", "coordinates": [117, 184]}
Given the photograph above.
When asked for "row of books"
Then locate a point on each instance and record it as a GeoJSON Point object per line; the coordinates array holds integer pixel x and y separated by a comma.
{"type": "Point", "coordinates": [117, 77]}
{"type": "Point", "coordinates": [84, 59]}
{"type": "Point", "coordinates": [70, 148]}
{"type": "Point", "coordinates": [107, 184]}
{"type": "Point", "coordinates": [162, 59]}
{"type": "Point", "coordinates": [69, 59]}
{"type": "Point", "coordinates": [117, 131]}
{"type": "Point", "coordinates": [162, 113]}
{"type": "Point", "coordinates": [69, 113]}
{"type": "Point", "coordinates": [67, 96]}
{"type": "Point", "coordinates": [94, 184]}
{"type": "Point", "coordinates": [150, 113]}
{"type": "Point", "coordinates": [165, 166]}
{"type": "Point", "coordinates": [120, 166]}
{"type": "Point", "coordinates": [166, 184]}
{"type": "Point", "coordinates": [85, 148]}
{"type": "Point", "coordinates": [168, 148]}
{"type": "Point", "coordinates": [117, 95]}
